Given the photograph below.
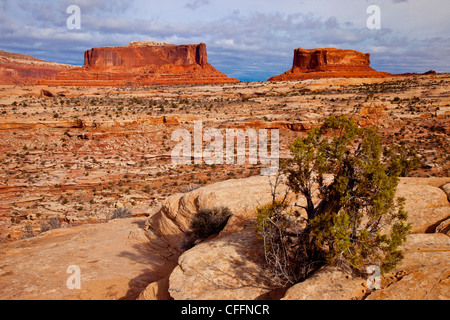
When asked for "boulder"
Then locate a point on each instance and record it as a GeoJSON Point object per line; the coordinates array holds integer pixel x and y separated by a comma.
{"type": "Point", "coordinates": [426, 283]}
{"type": "Point", "coordinates": [423, 274]}
{"type": "Point", "coordinates": [444, 227]}
{"type": "Point", "coordinates": [226, 268]}
{"type": "Point", "coordinates": [170, 225]}
{"type": "Point", "coordinates": [230, 265]}
{"type": "Point", "coordinates": [45, 93]}
{"type": "Point", "coordinates": [427, 206]}
{"type": "Point", "coordinates": [425, 270]}
{"type": "Point", "coordinates": [446, 188]}
{"type": "Point", "coordinates": [425, 249]}
{"type": "Point", "coordinates": [328, 283]}
{"type": "Point", "coordinates": [158, 290]}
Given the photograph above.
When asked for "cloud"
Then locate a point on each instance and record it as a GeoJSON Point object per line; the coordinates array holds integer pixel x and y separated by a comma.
{"type": "Point", "coordinates": [194, 5]}
{"type": "Point", "coordinates": [250, 40]}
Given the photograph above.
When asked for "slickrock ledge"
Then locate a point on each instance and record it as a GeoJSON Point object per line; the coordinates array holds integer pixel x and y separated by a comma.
{"type": "Point", "coordinates": [231, 265]}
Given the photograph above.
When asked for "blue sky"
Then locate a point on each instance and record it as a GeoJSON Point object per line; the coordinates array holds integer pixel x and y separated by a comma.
{"type": "Point", "coordinates": [251, 40]}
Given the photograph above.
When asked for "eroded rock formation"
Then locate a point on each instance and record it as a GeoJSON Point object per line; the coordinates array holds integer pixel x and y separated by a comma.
{"type": "Point", "coordinates": [143, 63]}
{"type": "Point", "coordinates": [20, 69]}
{"type": "Point", "coordinates": [136, 55]}
{"type": "Point", "coordinates": [329, 63]}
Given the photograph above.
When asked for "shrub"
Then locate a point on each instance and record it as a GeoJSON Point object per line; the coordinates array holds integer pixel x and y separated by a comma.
{"type": "Point", "coordinates": [206, 223]}
{"type": "Point", "coordinates": [121, 213]}
{"type": "Point", "coordinates": [27, 231]}
{"type": "Point", "coordinates": [52, 223]}
{"type": "Point", "coordinates": [191, 187]}
{"type": "Point", "coordinates": [209, 221]}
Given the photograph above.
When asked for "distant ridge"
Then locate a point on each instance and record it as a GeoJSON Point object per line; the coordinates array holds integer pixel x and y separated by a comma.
{"type": "Point", "coordinates": [20, 69]}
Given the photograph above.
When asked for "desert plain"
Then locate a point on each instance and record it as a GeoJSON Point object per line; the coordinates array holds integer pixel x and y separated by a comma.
{"type": "Point", "coordinates": [71, 157]}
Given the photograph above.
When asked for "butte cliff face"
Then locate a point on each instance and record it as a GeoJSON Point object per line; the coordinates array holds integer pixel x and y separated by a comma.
{"type": "Point", "coordinates": [20, 69]}
{"type": "Point", "coordinates": [143, 63]}
{"type": "Point", "coordinates": [144, 54]}
{"type": "Point", "coordinates": [329, 63]}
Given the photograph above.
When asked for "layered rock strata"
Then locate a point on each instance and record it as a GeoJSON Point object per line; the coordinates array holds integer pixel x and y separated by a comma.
{"type": "Point", "coordinates": [20, 69]}
{"type": "Point", "coordinates": [329, 63]}
{"type": "Point", "coordinates": [143, 63]}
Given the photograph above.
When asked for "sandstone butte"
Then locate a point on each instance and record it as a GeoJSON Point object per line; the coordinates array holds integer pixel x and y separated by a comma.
{"type": "Point", "coordinates": [329, 63]}
{"type": "Point", "coordinates": [20, 69]}
{"type": "Point", "coordinates": [143, 63]}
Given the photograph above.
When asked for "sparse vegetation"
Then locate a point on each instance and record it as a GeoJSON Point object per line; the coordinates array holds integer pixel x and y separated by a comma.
{"type": "Point", "coordinates": [121, 213]}
{"type": "Point", "coordinates": [354, 222]}
{"type": "Point", "coordinates": [52, 223]}
{"type": "Point", "coordinates": [206, 223]}
{"type": "Point", "coordinates": [91, 151]}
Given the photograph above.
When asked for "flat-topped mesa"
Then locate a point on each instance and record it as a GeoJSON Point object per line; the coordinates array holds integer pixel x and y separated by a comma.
{"type": "Point", "coordinates": [143, 63]}
{"type": "Point", "coordinates": [141, 54]}
{"type": "Point", "coordinates": [148, 44]}
{"type": "Point", "coordinates": [331, 58]}
{"type": "Point", "coordinates": [328, 63]}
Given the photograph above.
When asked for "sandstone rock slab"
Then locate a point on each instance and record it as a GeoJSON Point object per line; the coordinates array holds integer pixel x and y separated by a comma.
{"type": "Point", "coordinates": [446, 188]}
{"type": "Point", "coordinates": [444, 227]}
{"type": "Point", "coordinates": [169, 226]}
{"type": "Point", "coordinates": [229, 268]}
{"type": "Point", "coordinates": [158, 290]}
{"type": "Point", "coordinates": [425, 270]}
{"type": "Point", "coordinates": [427, 206]}
{"type": "Point", "coordinates": [328, 283]}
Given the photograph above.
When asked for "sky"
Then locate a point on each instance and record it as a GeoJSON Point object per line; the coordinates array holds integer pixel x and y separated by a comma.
{"type": "Point", "coordinates": [251, 40]}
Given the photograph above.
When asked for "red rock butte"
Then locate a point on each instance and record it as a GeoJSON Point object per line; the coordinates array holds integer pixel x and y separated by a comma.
{"type": "Point", "coordinates": [143, 63]}
{"type": "Point", "coordinates": [329, 63]}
